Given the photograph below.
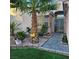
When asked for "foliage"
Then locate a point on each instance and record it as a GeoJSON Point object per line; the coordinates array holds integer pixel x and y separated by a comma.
{"type": "Point", "coordinates": [30, 5]}
{"type": "Point", "coordinates": [20, 35]}
{"type": "Point", "coordinates": [44, 29]}
{"type": "Point", "coordinates": [33, 53]}
{"type": "Point", "coordinates": [64, 39]}
{"type": "Point", "coordinates": [13, 27]}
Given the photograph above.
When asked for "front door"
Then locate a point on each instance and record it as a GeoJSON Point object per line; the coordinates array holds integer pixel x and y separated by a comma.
{"type": "Point", "coordinates": [59, 25]}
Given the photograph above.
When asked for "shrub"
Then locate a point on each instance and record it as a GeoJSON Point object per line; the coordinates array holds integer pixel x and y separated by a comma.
{"type": "Point", "coordinates": [44, 29]}
{"type": "Point", "coordinates": [64, 39]}
{"type": "Point", "coordinates": [20, 35]}
{"type": "Point", "coordinates": [13, 27]}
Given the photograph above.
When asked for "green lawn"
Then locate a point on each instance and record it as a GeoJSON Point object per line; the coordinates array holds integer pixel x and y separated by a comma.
{"type": "Point", "coordinates": [33, 53]}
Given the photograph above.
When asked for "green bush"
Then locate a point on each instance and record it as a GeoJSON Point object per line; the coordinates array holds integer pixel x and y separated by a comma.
{"type": "Point", "coordinates": [64, 39]}
{"type": "Point", "coordinates": [13, 27]}
{"type": "Point", "coordinates": [44, 29]}
{"type": "Point", "coordinates": [20, 35]}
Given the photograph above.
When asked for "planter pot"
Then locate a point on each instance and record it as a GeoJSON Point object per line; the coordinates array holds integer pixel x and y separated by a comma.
{"type": "Point", "coordinates": [18, 42]}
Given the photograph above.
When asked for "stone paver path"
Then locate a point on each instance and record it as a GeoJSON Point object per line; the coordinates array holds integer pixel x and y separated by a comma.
{"type": "Point", "coordinates": [55, 43]}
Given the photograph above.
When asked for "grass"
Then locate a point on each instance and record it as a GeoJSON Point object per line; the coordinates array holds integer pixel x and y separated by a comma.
{"type": "Point", "coordinates": [33, 53]}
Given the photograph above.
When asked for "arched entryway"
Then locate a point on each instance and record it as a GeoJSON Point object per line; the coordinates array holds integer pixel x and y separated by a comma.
{"type": "Point", "coordinates": [59, 22]}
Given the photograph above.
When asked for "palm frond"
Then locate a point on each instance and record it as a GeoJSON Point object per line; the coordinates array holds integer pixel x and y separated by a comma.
{"type": "Point", "coordinates": [22, 5]}
{"type": "Point", "coordinates": [47, 7]}
{"type": "Point", "coordinates": [37, 5]}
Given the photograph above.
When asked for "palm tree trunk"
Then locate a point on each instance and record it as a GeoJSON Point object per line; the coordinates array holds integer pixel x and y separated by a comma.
{"type": "Point", "coordinates": [34, 26]}
{"type": "Point", "coordinates": [34, 22]}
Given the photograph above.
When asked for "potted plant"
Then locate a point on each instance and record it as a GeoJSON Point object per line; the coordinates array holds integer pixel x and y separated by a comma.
{"type": "Point", "coordinates": [20, 36]}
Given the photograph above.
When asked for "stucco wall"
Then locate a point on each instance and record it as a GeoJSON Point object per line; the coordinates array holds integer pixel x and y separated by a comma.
{"type": "Point", "coordinates": [40, 20]}
{"type": "Point", "coordinates": [24, 19]}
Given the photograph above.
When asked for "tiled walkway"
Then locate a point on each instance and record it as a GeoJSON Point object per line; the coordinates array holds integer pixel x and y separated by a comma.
{"type": "Point", "coordinates": [55, 43]}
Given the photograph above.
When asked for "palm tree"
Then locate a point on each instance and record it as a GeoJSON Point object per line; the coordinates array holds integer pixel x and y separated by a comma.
{"type": "Point", "coordinates": [33, 7]}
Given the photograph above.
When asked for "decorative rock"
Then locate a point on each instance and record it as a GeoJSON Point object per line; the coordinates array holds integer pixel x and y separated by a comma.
{"type": "Point", "coordinates": [18, 42]}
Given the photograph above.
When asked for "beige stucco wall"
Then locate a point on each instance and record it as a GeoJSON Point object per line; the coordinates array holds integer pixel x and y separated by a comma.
{"type": "Point", "coordinates": [59, 5]}
{"type": "Point", "coordinates": [24, 19]}
{"type": "Point", "coordinates": [40, 20]}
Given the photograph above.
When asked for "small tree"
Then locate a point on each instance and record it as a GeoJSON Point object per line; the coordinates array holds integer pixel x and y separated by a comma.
{"type": "Point", "coordinates": [33, 7]}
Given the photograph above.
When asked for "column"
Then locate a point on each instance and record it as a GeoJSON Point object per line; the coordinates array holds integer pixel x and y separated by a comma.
{"type": "Point", "coordinates": [49, 24]}
{"type": "Point", "coordinates": [66, 17]}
